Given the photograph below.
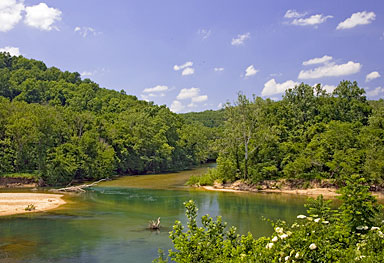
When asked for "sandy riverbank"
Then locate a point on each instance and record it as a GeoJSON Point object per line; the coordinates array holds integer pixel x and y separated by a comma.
{"type": "Point", "coordinates": [15, 203]}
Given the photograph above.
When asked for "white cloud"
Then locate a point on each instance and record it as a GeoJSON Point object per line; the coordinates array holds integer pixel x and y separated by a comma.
{"type": "Point", "coordinates": [359, 18]}
{"type": "Point", "coordinates": [188, 93]}
{"type": "Point", "coordinates": [177, 106]}
{"type": "Point", "coordinates": [10, 14]}
{"type": "Point", "coordinates": [218, 69]}
{"type": "Point", "coordinates": [240, 39]}
{"type": "Point", "coordinates": [220, 106]}
{"type": "Point", "coordinates": [310, 21]}
{"type": "Point", "coordinates": [86, 74]}
{"type": "Point", "coordinates": [158, 88]}
{"type": "Point", "coordinates": [293, 14]}
{"type": "Point", "coordinates": [200, 98]}
{"type": "Point", "coordinates": [185, 65]}
{"type": "Point", "coordinates": [13, 51]}
{"type": "Point", "coordinates": [250, 71]}
{"type": "Point", "coordinates": [375, 92]}
{"type": "Point", "coordinates": [321, 60]}
{"type": "Point", "coordinates": [329, 88]}
{"type": "Point", "coordinates": [188, 71]}
{"type": "Point", "coordinates": [372, 75]}
{"type": "Point", "coordinates": [273, 88]}
{"type": "Point", "coordinates": [42, 17]}
{"type": "Point", "coordinates": [331, 70]}
{"type": "Point", "coordinates": [85, 31]}
{"type": "Point", "coordinates": [204, 33]}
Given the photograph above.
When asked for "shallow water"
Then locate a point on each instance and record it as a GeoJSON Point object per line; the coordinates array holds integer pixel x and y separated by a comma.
{"type": "Point", "coordinates": [108, 223]}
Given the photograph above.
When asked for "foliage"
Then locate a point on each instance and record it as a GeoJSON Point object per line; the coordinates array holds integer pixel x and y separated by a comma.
{"type": "Point", "coordinates": [324, 235]}
{"type": "Point", "coordinates": [69, 129]}
{"type": "Point", "coordinates": [309, 134]}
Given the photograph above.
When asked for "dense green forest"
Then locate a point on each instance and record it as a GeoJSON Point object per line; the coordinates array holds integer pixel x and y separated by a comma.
{"type": "Point", "coordinates": [309, 134]}
{"type": "Point", "coordinates": [62, 128]}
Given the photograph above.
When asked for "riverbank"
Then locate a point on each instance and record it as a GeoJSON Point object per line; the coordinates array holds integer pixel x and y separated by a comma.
{"type": "Point", "coordinates": [16, 203]}
{"type": "Point", "coordinates": [315, 188]}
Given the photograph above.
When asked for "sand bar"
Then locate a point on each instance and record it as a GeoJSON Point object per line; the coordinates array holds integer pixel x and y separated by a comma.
{"type": "Point", "coordinates": [15, 203]}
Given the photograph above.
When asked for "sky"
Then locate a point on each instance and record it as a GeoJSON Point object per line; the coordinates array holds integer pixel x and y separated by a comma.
{"type": "Point", "coordinates": [197, 55]}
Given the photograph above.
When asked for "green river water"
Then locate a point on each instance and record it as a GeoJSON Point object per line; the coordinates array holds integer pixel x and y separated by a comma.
{"type": "Point", "coordinates": [108, 223]}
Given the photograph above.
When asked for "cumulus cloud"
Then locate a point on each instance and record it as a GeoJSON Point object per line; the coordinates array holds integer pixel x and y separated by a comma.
{"type": "Point", "coordinates": [240, 39]}
{"type": "Point", "coordinates": [359, 18]}
{"type": "Point", "coordinates": [329, 88]}
{"type": "Point", "coordinates": [372, 75]}
{"type": "Point", "coordinates": [158, 88]}
{"type": "Point", "coordinates": [218, 69]}
{"type": "Point", "coordinates": [13, 51]}
{"type": "Point", "coordinates": [375, 92]}
{"type": "Point", "coordinates": [42, 17]}
{"type": "Point", "coordinates": [188, 71]}
{"type": "Point", "coordinates": [204, 33]}
{"type": "Point", "coordinates": [10, 14]}
{"type": "Point", "coordinates": [185, 65]}
{"type": "Point", "coordinates": [331, 70]}
{"type": "Point", "coordinates": [250, 71]}
{"type": "Point", "coordinates": [86, 74]}
{"type": "Point", "coordinates": [314, 61]}
{"type": "Point", "coordinates": [188, 93]}
{"type": "Point", "coordinates": [86, 31]}
{"type": "Point", "coordinates": [293, 14]}
{"type": "Point", "coordinates": [310, 21]}
{"type": "Point", "coordinates": [220, 106]}
{"type": "Point", "coordinates": [177, 106]}
{"type": "Point", "coordinates": [271, 87]}
{"type": "Point", "coordinates": [200, 98]}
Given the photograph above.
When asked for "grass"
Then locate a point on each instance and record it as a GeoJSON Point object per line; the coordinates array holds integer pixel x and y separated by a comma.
{"type": "Point", "coordinates": [29, 175]}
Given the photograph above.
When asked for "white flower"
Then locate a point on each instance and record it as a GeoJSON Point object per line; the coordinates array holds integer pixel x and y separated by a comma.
{"type": "Point", "coordinates": [279, 230]}
{"type": "Point", "coordinates": [269, 245]}
{"type": "Point", "coordinates": [359, 228]}
{"type": "Point", "coordinates": [317, 220]}
{"type": "Point", "coordinates": [380, 234]}
{"type": "Point", "coordinates": [325, 222]}
{"type": "Point", "coordinates": [286, 258]}
{"type": "Point", "coordinates": [283, 236]}
{"type": "Point", "coordinates": [375, 228]}
{"type": "Point", "coordinates": [301, 216]}
{"type": "Point", "coordinates": [297, 255]}
{"type": "Point", "coordinates": [274, 239]}
{"type": "Point", "coordinates": [365, 227]}
{"type": "Point", "coordinates": [312, 246]}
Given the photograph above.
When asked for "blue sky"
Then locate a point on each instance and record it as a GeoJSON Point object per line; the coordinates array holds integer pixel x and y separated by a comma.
{"type": "Point", "coordinates": [196, 55]}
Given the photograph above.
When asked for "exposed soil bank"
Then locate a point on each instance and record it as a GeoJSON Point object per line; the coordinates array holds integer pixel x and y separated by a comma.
{"type": "Point", "coordinates": [313, 188]}
{"type": "Point", "coordinates": [19, 182]}
{"type": "Point", "coordinates": [15, 203]}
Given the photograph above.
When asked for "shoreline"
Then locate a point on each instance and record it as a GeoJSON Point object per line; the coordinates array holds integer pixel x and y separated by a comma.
{"type": "Point", "coordinates": [326, 192]}
{"type": "Point", "coordinates": [15, 203]}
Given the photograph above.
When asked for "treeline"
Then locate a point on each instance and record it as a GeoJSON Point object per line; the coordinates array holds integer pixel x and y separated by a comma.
{"type": "Point", "coordinates": [64, 128]}
{"type": "Point", "coordinates": [309, 134]}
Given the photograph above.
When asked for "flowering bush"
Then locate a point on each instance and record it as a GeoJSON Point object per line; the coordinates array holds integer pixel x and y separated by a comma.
{"type": "Point", "coordinates": [323, 235]}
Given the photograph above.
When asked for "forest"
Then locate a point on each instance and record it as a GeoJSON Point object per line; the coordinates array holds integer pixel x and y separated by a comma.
{"type": "Point", "coordinates": [62, 129]}
{"type": "Point", "coordinates": [309, 134]}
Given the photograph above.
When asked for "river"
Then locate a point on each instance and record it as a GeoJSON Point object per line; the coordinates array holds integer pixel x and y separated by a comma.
{"type": "Point", "coordinates": [108, 223]}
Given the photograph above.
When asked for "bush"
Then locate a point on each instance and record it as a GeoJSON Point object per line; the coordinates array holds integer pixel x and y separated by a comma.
{"type": "Point", "coordinates": [323, 235]}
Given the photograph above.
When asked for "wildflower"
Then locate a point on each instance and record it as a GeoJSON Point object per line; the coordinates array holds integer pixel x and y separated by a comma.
{"type": "Point", "coordinates": [310, 218]}
{"type": "Point", "coordinates": [294, 225]}
{"type": "Point", "coordinates": [289, 233]}
{"type": "Point", "coordinates": [274, 239]}
{"type": "Point", "coordinates": [312, 246]}
{"type": "Point", "coordinates": [317, 220]}
{"type": "Point", "coordinates": [297, 255]}
{"type": "Point", "coordinates": [375, 228]}
{"type": "Point", "coordinates": [325, 222]}
{"type": "Point", "coordinates": [380, 234]}
{"type": "Point", "coordinates": [301, 216]}
{"type": "Point", "coordinates": [286, 258]}
{"type": "Point", "coordinates": [359, 228]}
{"type": "Point", "coordinates": [269, 245]}
{"type": "Point", "coordinates": [365, 227]}
{"type": "Point", "coordinates": [279, 230]}
{"type": "Point", "coordinates": [283, 236]}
